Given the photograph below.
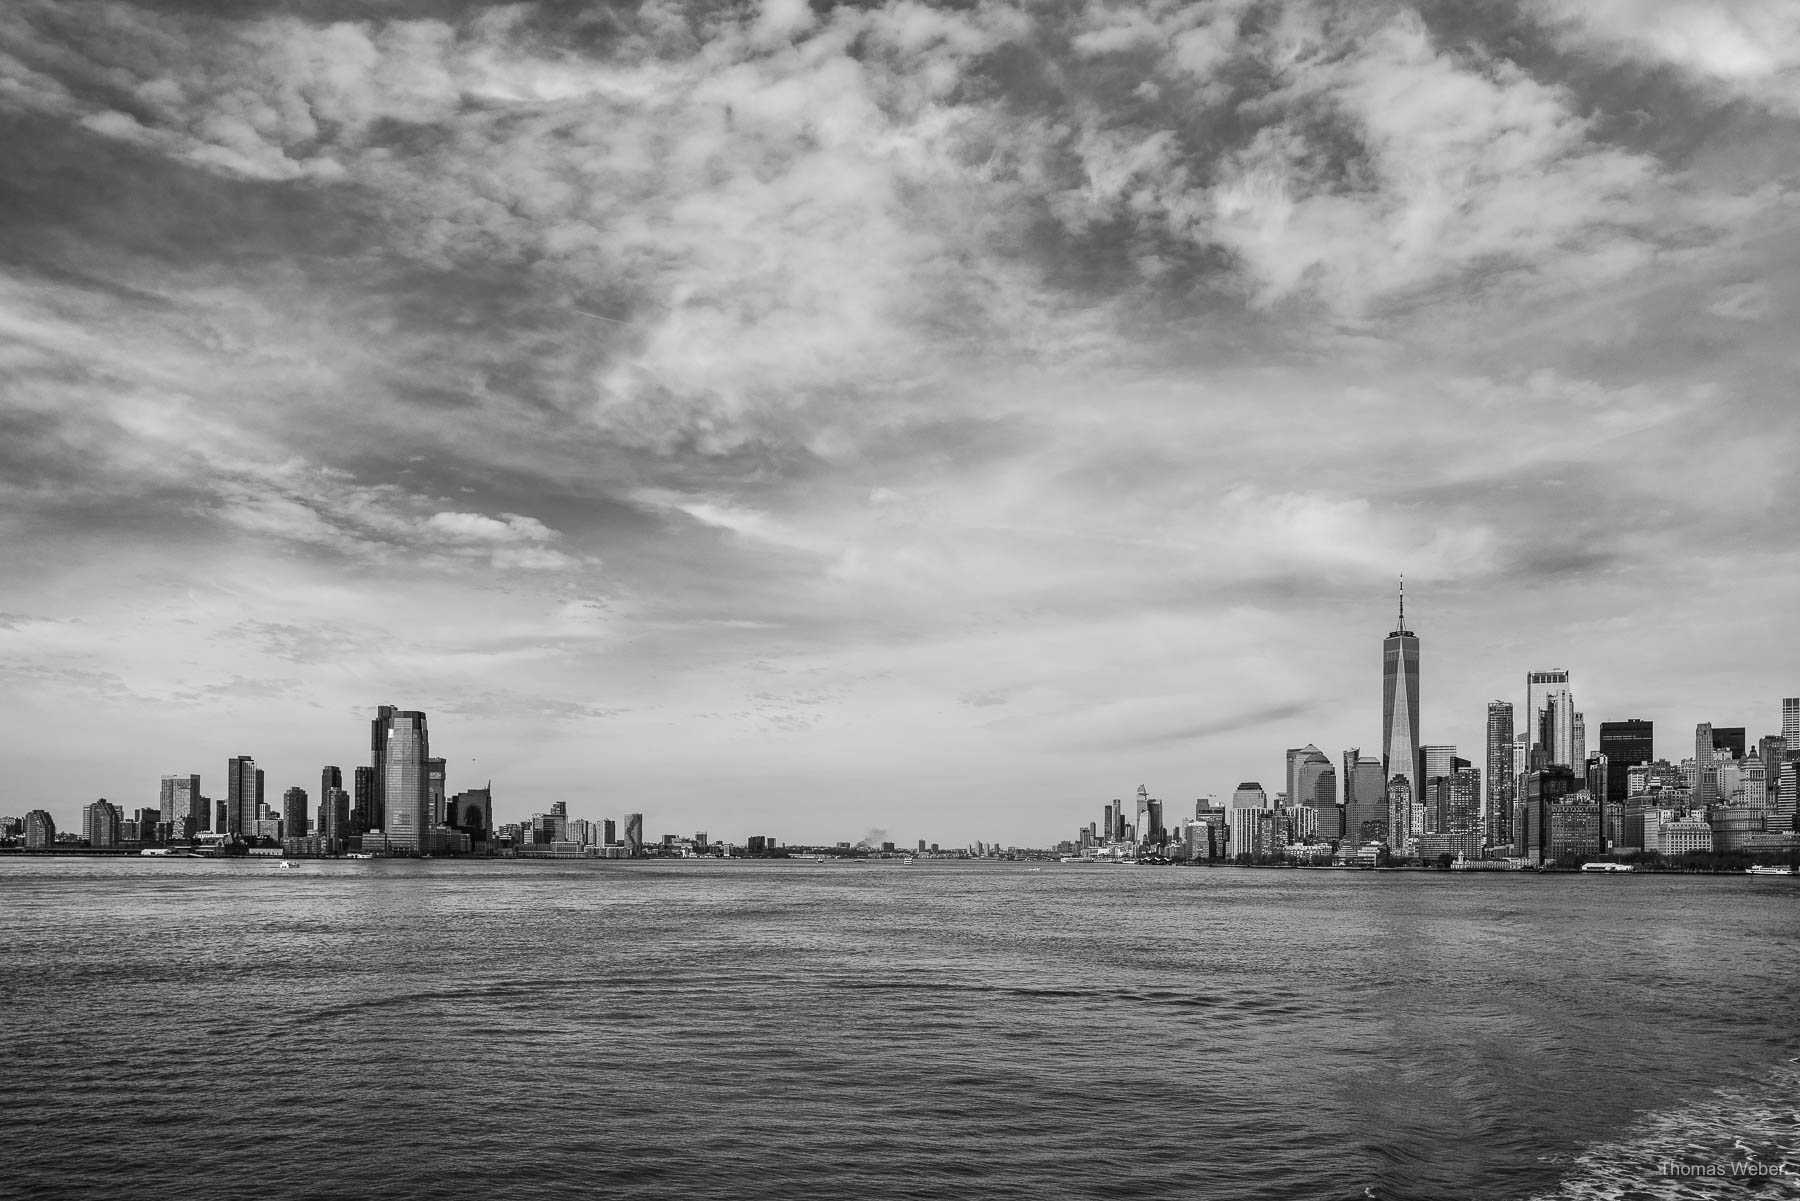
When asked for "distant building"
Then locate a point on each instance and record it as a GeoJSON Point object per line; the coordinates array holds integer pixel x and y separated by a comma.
{"type": "Point", "coordinates": [1538, 792]}
{"type": "Point", "coordinates": [100, 823]}
{"type": "Point", "coordinates": [634, 835]}
{"type": "Point", "coordinates": [472, 812]}
{"type": "Point", "coordinates": [1685, 836]}
{"type": "Point", "coordinates": [434, 788]}
{"type": "Point", "coordinates": [405, 785]}
{"type": "Point", "coordinates": [1400, 707]}
{"type": "Point", "coordinates": [1249, 795]}
{"type": "Point", "coordinates": [294, 822]}
{"type": "Point", "coordinates": [1497, 809]}
{"type": "Point", "coordinates": [1402, 806]}
{"type": "Point", "coordinates": [182, 807]}
{"type": "Point", "coordinates": [1706, 772]}
{"type": "Point", "coordinates": [1551, 711]}
{"type": "Point", "coordinates": [40, 830]}
{"type": "Point", "coordinates": [1254, 833]}
{"type": "Point", "coordinates": [243, 793]}
{"type": "Point", "coordinates": [1366, 813]}
{"type": "Point", "coordinates": [1729, 739]}
{"type": "Point", "coordinates": [1790, 720]}
{"type": "Point", "coordinates": [1627, 744]}
{"type": "Point", "coordinates": [379, 730]}
{"type": "Point", "coordinates": [336, 808]}
{"type": "Point", "coordinates": [1572, 828]}
{"type": "Point", "coordinates": [364, 803]}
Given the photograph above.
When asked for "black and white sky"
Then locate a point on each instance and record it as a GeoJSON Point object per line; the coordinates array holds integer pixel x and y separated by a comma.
{"type": "Point", "coordinates": [937, 418]}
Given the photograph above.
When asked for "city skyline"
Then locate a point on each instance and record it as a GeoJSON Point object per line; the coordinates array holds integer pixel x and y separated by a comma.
{"type": "Point", "coordinates": [803, 419]}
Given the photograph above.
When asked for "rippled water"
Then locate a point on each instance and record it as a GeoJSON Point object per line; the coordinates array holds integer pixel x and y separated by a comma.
{"type": "Point", "coordinates": [193, 1028]}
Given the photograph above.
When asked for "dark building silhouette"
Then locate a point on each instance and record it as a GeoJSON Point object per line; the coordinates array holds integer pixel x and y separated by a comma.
{"type": "Point", "coordinates": [378, 740]}
{"type": "Point", "coordinates": [243, 795]}
{"type": "Point", "coordinates": [363, 803]}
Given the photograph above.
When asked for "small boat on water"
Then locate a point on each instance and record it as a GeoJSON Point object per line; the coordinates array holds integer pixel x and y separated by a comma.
{"type": "Point", "coordinates": [1765, 870]}
{"type": "Point", "coordinates": [288, 863]}
{"type": "Point", "coordinates": [1607, 867]}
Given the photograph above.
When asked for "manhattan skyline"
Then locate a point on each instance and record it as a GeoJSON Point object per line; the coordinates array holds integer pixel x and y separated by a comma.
{"type": "Point", "coordinates": [810, 420]}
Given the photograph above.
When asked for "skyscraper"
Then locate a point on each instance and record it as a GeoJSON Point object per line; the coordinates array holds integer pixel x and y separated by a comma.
{"type": "Point", "coordinates": [1730, 739]}
{"type": "Point", "coordinates": [364, 803]}
{"type": "Point", "coordinates": [1551, 711]}
{"type": "Point", "coordinates": [378, 735]}
{"type": "Point", "coordinates": [243, 792]}
{"type": "Point", "coordinates": [1625, 745]}
{"type": "Point", "coordinates": [183, 806]}
{"type": "Point", "coordinates": [1365, 805]}
{"type": "Point", "coordinates": [101, 822]}
{"type": "Point", "coordinates": [434, 787]}
{"type": "Point", "coordinates": [634, 835]}
{"type": "Point", "coordinates": [1499, 801]}
{"type": "Point", "coordinates": [1400, 702]}
{"type": "Point", "coordinates": [1706, 775]}
{"type": "Point", "coordinates": [1790, 719]}
{"type": "Point", "coordinates": [329, 778]}
{"type": "Point", "coordinates": [293, 813]}
{"type": "Point", "coordinates": [406, 796]}
{"type": "Point", "coordinates": [336, 810]}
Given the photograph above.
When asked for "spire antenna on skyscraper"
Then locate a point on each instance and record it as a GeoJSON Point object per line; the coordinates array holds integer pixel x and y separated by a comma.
{"type": "Point", "coordinates": [1403, 601]}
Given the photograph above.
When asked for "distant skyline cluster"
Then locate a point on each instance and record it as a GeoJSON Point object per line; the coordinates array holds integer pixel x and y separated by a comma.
{"type": "Point", "coordinates": [797, 417]}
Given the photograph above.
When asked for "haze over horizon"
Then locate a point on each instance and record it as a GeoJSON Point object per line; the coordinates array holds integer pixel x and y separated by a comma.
{"type": "Point", "coordinates": [802, 419]}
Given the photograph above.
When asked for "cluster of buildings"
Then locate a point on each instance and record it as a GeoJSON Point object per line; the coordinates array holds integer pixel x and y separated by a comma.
{"type": "Point", "coordinates": [1551, 795]}
{"type": "Point", "coordinates": [397, 804]}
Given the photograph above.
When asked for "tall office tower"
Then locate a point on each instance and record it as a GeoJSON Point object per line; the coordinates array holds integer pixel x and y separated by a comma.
{"type": "Point", "coordinates": [1706, 775]}
{"type": "Point", "coordinates": [242, 792]}
{"type": "Point", "coordinates": [1551, 713]}
{"type": "Point", "coordinates": [1438, 761]}
{"type": "Point", "coordinates": [1349, 776]}
{"type": "Point", "coordinates": [1497, 806]}
{"type": "Point", "coordinates": [329, 778]}
{"type": "Point", "coordinates": [378, 736]}
{"type": "Point", "coordinates": [1540, 789]}
{"type": "Point", "coordinates": [221, 816]}
{"type": "Point", "coordinates": [1625, 744]}
{"type": "Point", "coordinates": [1319, 781]}
{"type": "Point", "coordinates": [336, 810]}
{"type": "Point", "coordinates": [434, 786]}
{"type": "Point", "coordinates": [1772, 749]}
{"type": "Point", "coordinates": [1400, 702]}
{"type": "Point", "coordinates": [1578, 738]}
{"type": "Point", "coordinates": [183, 806]}
{"type": "Point", "coordinates": [1790, 720]}
{"type": "Point", "coordinates": [1402, 802]}
{"type": "Point", "coordinates": [634, 835]}
{"type": "Point", "coordinates": [1365, 817]}
{"type": "Point", "coordinates": [101, 822]}
{"type": "Point", "coordinates": [1112, 820]}
{"type": "Point", "coordinates": [406, 796]}
{"type": "Point", "coordinates": [1249, 795]}
{"type": "Point", "coordinates": [1462, 814]}
{"type": "Point", "coordinates": [1145, 829]}
{"type": "Point", "coordinates": [1730, 739]}
{"type": "Point", "coordinates": [293, 813]}
{"type": "Point", "coordinates": [1154, 831]}
{"type": "Point", "coordinates": [364, 803]}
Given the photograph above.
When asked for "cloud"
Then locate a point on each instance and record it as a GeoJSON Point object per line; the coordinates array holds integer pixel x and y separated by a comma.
{"type": "Point", "coordinates": [1739, 48]}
